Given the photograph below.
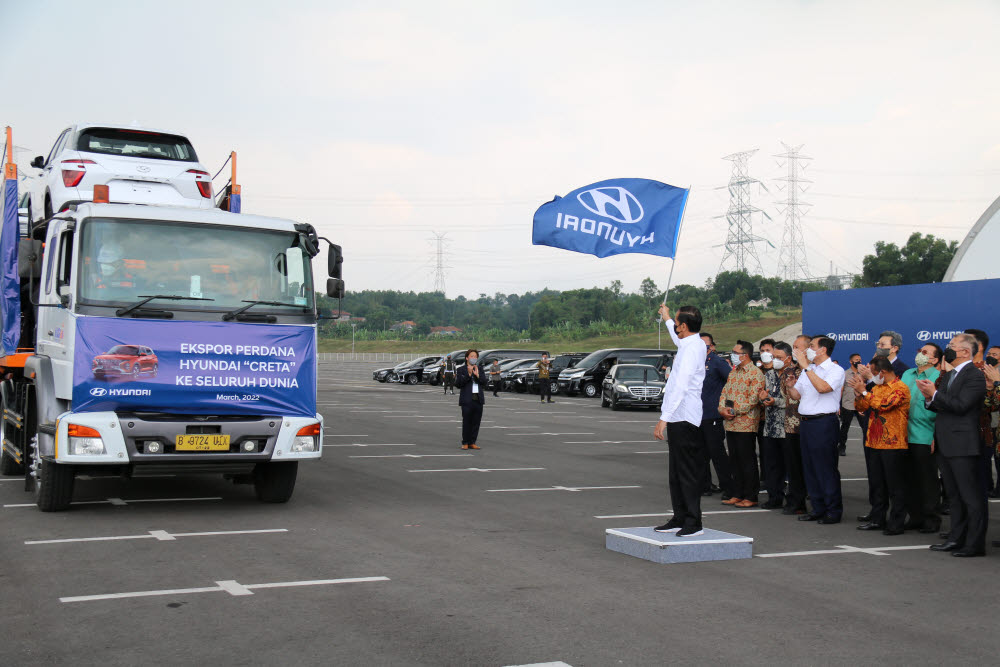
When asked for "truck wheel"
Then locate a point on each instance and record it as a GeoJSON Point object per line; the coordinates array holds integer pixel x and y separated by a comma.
{"type": "Point", "coordinates": [274, 482]}
{"type": "Point", "coordinates": [590, 390]}
{"type": "Point", "coordinates": [53, 482]}
{"type": "Point", "coordinates": [412, 379]}
{"type": "Point", "coordinates": [614, 403]}
{"type": "Point", "coordinates": [8, 465]}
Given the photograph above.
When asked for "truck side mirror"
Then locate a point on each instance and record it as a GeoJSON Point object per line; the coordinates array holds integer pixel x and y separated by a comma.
{"type": "Point", "coordinates": [335, 261]}
{"type": "Point", "coordinates": [29, 259]}
{"type": "Point", "coordinates": [335, 288]}
{"type": "Point", "coordinates": [38, 162]}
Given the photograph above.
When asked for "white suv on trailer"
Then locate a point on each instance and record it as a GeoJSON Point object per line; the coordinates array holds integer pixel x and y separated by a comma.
{"type": "Point", "coordinates": [139, 166]}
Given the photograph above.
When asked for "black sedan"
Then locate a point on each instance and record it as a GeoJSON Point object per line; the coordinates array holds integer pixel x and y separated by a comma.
{"type": "Point", "coordinates": [636, 385]}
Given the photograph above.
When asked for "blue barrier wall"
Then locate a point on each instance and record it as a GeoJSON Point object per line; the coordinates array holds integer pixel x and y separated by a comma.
{"type": "Point", "coordinates": [921, 313]}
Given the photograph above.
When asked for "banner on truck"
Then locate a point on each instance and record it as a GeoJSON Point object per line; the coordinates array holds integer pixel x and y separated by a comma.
{"type": "Point", "coordinates": [213, 368]}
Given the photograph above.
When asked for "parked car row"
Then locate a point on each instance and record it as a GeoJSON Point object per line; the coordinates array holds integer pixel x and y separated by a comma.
{"type": "Point", "coordinates": [622, 377]}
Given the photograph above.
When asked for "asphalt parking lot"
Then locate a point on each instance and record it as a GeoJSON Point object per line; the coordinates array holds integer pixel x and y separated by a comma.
{"type": "Point", "coordinates": [399, 548]}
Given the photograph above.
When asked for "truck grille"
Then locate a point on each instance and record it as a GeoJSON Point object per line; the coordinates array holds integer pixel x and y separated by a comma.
{"type": "Point", "coordinates": [644, 392]}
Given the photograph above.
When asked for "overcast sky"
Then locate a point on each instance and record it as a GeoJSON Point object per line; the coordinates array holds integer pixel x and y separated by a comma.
{"type": "Point", "coordinates": [380, 123]}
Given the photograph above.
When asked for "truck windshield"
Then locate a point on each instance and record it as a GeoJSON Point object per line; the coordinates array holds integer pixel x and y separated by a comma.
{"type": "Point", "coordinates": [121, 260]}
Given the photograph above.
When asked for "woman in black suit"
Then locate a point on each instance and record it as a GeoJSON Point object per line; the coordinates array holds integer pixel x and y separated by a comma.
{"type": "Point", "coordinates": [471, 398]}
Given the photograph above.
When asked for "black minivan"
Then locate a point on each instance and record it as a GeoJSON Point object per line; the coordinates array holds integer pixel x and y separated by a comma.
{"type": "Point", "coordinates": [589, 372]}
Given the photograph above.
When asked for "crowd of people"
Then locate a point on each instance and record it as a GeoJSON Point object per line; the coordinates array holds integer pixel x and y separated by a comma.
{"type": "Point", "coordinates": [780, 425]}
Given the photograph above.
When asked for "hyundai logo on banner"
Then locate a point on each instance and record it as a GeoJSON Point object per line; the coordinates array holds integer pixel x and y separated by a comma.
{"type": "Point", "coordinates": [620, 215]}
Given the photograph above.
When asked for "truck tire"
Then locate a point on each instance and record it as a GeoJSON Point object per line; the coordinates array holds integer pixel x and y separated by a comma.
{"type": "Point", "coordinates": [590, 390]}
{"type": "Point", "coordinates": [53, 482]}
{"type": "Point", "coordinates": [274, 482]}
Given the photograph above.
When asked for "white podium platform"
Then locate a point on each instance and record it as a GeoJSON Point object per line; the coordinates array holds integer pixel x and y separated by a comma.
{"type": "Point", "coordinates": [647, 544]}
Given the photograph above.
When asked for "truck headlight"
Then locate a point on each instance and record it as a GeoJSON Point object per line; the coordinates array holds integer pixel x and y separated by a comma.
{"type": "Point", "coordinates": [84, 441]}
{"type": "Point", "coordinates": [307, 439]}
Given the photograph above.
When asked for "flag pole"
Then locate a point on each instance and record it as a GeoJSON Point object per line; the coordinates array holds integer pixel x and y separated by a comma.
{"type": "Point", "coordinates": [673, 260]}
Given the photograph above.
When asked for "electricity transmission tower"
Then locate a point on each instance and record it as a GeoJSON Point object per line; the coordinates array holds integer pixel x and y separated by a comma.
{"type": "Point", "coordinates": [439, 267]}
{"type": "Point", "coordinates": [792, 264]}
{"type": "Point", "coordinates": [741, 251]}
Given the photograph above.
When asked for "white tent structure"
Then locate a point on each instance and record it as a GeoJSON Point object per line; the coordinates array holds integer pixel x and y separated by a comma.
{"type": "Point", "coordinates": [979, 255]}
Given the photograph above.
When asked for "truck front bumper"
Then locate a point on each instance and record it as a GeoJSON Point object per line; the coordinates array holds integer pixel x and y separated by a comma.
{"type": "Point", "coordinates": [151, 440]}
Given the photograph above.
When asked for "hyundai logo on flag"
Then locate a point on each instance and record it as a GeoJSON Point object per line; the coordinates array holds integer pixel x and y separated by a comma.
{"type": "Point", "coordinates": [612, 217]}
{"type": "Point", "coordinates": [98, 391]}
{"type": "Point", "coordinates": [616, 203]}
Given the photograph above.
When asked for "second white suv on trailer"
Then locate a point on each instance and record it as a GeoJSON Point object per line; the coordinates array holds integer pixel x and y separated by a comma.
{"type": "Point", "coordinates": [139, 166]}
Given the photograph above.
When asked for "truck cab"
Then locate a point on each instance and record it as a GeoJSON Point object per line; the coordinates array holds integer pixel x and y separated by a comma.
{"type": "Point", "coordinates": [166, 340]}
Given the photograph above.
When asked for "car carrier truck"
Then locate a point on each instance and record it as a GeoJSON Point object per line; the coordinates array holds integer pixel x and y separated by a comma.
{"type": "Point", "coordinates": [144, 339]}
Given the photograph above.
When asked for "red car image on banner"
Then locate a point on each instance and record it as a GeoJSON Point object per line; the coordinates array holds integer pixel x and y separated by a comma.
{"type": "Point", "coordinates": [125, 361]}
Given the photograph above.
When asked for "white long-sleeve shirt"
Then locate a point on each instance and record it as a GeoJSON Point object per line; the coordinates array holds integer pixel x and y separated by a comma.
{"type": "Point", "coordinates": [682, 396]}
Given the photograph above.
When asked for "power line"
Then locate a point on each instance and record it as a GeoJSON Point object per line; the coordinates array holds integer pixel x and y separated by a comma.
{"type": "Point", "coordinates": [740, 239]}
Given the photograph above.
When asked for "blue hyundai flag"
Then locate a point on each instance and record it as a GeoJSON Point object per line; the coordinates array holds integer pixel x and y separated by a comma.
{"type": "Point", "coordinates": [620, 215]}
{"type": "Point", "coordinates": [10, 282]}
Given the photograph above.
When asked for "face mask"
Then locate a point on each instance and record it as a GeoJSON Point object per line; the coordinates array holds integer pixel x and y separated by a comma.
{"type": "Point", "coordinates": [878, 379]}
{"type": "Point", "coordinates": [676, 330]}
{"type": "Point", "coordinates": [778, 364]}
{"type": "Point", "coordinates": [811, 354]}
{"type": "Point", "coordinates": [883, 351]}
{"type": "Point", "coordinates": [922, 359]}
{"type": "Point", "coordinates": [766, 357]}
{"type": "Point", "coordinates": [949, 355]}
{"type": "Point", "coordinates": [735, 358]}
{"type": "Point", "coordinates": [473, 360]}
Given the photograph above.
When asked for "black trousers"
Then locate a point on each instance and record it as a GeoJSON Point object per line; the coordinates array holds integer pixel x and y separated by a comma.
{"type": "Point", "coordinates": [495, 381]}
{"type": "Point", "coordinates": [773, 452]}
{"type": "Point", "coordinates": [818, 438]}
{"type": "Point", "coordinates": [888, 471]}
{"type": "Point", "coordinates": [471, 416]}
{"type": "Point", "coordinates": [545, 388]}
{"type": "Point", "coordinates": [687, 459]}
{"type": "Point", "coordinates": [449, 383]}
{"type": "Point", "coordinates": [796, 498]}
{"type": "Point", "coordinates": [743, 458]}
{"type": "Point", "coordinates": [848, 416]}
{"type": "Point", "coordinates": [922, 489]}
{"type": "Point", "coordinates": [963, 480]}
{"type": "Point", "coordinates": [713, 432]}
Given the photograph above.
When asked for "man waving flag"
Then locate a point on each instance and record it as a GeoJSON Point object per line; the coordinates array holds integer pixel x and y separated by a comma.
{"type": "Point", "coordinates": [620, 215]}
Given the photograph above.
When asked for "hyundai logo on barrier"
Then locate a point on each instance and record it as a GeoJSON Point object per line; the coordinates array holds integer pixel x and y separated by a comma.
{"type": "Point", "coordinates": [923, 335]}
{"type": "Point", "coordinates": [612, 202]}
{"type": "Point", "coordinates": [98, 391]}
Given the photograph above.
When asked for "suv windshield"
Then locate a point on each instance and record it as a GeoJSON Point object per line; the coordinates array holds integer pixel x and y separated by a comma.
{"type": "Point", "coordinates": [631, 373]}
{"type": "Point", "coordinates": [130, 350]}
{"type": "Point", "coordinates": [134, 143]}
{"type": "Point", "coordinates": [121, 260]}
{"type": "Point", "coordinates": [591, 359]}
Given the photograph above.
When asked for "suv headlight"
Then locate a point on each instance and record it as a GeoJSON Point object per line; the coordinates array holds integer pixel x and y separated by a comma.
{"type": "Point", "coordinates": [307, 439]}
{"type": "Point", "coordinates": [84, 441]}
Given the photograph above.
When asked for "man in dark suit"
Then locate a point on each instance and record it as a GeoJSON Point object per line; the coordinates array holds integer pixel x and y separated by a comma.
{"type": "Point", "coordinates": [471, 385]}
{"type": "Point", "coordinates": [957, 403]}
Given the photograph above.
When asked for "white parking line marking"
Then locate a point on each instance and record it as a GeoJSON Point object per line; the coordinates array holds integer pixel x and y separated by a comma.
{"type": "Point", "coordinates": [161, 535]}
{"type": "Point", "coordinates": [602, 442]}
{"type": "Point", "coordinates": [229, 586]}
{"type": "Point", "coordinates": [657, 452]}
{"type": "Point", "coordinates": [564, 488]}
{"type": "Point", "coordinates": [119, 501]}
{"type": "Point", "coordinates": [375, 444]}
{"type": "Point", "coordinates": [474, 469]}
{"type": "Point", "coordinates": [403, 456]}
{"type": "Point", "coordinates": [844, 549]}
{"type": "Point", "coordinates": [670, 513]}
{"type": "Point", "coordinates": [343, 435]}
{"type": "Point", "coordinates": [517, 434]}
{"type": "Point", "coordinates": [544, 664]}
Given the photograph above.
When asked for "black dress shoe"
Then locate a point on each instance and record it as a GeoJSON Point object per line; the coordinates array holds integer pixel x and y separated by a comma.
{"type": "Point", "coordinates": [810, 517]}
{"type": "Point", "coordinates": [912, 525]}
{"type": "Point", "coordinates": [828, 521]}
{"type": "Point", "coordinates": [871, 526]}
{"type": "Point", "coordinates": [865, 518]}
{"type": "Point", "coordinates": [966, 553]}
{"type": "Point", "coordinates": [706, 493]}
{"type": "Point", "coordinates": [947, 546]}
{"type": "Point", "coordinates": [772, 505]}
{"type": "Point", "coordinates": [898, 531]}
{"type": "Point", "coordinates": [944, 536]}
